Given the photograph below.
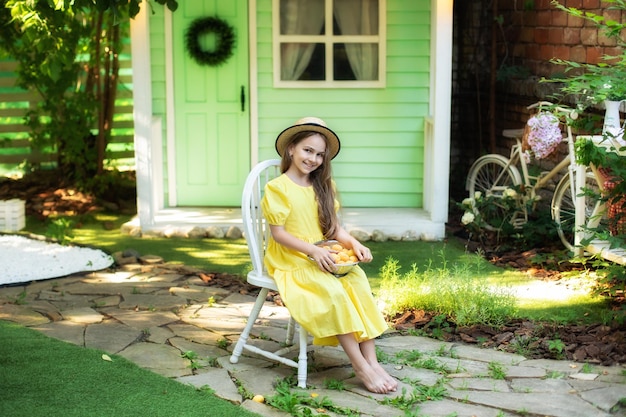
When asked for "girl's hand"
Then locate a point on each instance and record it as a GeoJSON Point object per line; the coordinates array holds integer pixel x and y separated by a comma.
{"type": "Point", "coordinates": [323, 259]}
{"type": "Point", "coordinates": [362, 252]}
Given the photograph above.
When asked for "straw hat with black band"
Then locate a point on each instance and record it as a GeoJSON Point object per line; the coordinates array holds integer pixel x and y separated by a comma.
{"type": "Point", "coordinates": [309, 124]}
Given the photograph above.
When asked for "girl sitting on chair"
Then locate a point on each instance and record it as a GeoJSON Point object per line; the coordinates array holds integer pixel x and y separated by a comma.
{"type": "Point", "coordinates": [301, 208]}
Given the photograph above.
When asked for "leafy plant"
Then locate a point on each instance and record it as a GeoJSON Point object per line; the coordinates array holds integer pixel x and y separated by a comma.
{"type": "Point", "coordinates": [334, 384]}
{"type": "Point", "coordinates": [61, 230]}
{"type": "Point", "coordinates": [193, 359]}
{"type": "Point", "coordinates": [300, 404]}
{"type": "Point", "coordinates": [556, 346]}
{"type": "Point", "coordinates": [223, 343]}
{"type": "Point", "coordinates": [496, 370]}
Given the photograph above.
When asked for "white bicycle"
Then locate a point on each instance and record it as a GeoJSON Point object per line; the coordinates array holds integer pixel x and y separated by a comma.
{"type": "Point", "coordinates": [493, 174]}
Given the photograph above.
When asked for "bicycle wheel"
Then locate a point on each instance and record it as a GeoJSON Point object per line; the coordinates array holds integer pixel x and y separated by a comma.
{"type": "Point", "coordinates": [564, 209]}
{"type": "Point", "coordinates": [492, 175]}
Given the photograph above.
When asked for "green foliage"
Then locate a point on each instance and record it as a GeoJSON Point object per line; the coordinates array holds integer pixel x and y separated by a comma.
{"type": "Point", "coordinates": [420, 394]}
{"type": "Point", "coordinates": [556, 346]}
{"type": "Point", "coordinates": [496, 370]}
{"type": "Point", "coordinates": [497, 220]}
{"type": "Point", "coordinates": [60, 230]}
{"type": "Point", "coordinates": [334, 384]}
{"type": "Point", "coordinates": [68, 54]}
{"type": "Point", "coordinates": [455, 293]}
{"type": "Point", "coordinates": [594, 83]}
{"type": "Point", "coordinates": [301, 404]}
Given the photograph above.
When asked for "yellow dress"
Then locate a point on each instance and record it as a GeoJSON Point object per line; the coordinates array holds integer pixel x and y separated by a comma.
{"type": "Point", "coordinates": [323, 304]}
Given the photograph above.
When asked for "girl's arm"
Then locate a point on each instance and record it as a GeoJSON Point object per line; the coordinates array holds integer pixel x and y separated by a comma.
{"type": "Point", "coordinates": [320, 255]}
{"type": "Point", "coordinates": [347, 240]}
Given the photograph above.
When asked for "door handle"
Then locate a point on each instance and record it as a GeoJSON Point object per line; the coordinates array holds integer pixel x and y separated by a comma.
{"type": "Point", "coordinates": [242, 97]}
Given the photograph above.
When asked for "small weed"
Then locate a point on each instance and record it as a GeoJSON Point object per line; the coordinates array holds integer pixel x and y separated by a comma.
{"type": "Point", "coordinates": [408, 357]}
{"type": "Point", "coordinates": [496, 370]}
{"type": "Point", "coordinates": [241, 390]}
{"type": "Point", "coordinates": [192, 356]}
{"type": "Point", "coordinates": [61, 230]}
{"type": "Point", "coordinates": [334, 384]}
{"type": "Point", "coordinates": [621, 404]}
{"type": "Point", "coordinates": [21, 298]}
{"type": "Point", "coordinates": [211, 301]}
{"type": "Point", "coordinates": [556, 347]}
{"type": "Point", "coordinates": [442, 351]}
{"type": "Point", "coordinates": [381, 356]}
{"type": "Point", "coordinates": [223, 343]}
{"type": "Point", "coordinates": [263, 336]}
{"type": "Point", "coordinates": [212, 362]}
{"type": "Point", "coordinates": [417, 332]}
{"type": "Point", "coordinates": [299, 403]}
{"type": "Point", "coordinates": [420, 394]}
{"type": "Point", "coordinates": [206, 389]}
{"type": "Point", "coordinates": [523, 345]}
{"type": "Point", "coordinates": [587, 369]}
{"type": "Point", "coordinates": [136, 290]}
{"type": "Point", "coordinates": [555, 375]}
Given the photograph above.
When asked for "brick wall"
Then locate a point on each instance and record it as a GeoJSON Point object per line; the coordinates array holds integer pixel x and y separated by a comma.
{"type": "Point", "coordinates": [535, 36]}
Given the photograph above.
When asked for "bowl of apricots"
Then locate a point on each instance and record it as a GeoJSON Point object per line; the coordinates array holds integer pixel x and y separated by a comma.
{"type": "Point", "coordinates": [344, 258]}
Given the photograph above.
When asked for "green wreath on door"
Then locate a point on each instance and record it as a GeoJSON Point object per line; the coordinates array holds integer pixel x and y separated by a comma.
{"type": "Point", "coordinates": [225, 44]}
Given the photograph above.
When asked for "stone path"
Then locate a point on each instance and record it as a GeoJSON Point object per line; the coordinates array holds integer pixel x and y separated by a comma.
{"type": "Point", "coordinates": [152, 315]}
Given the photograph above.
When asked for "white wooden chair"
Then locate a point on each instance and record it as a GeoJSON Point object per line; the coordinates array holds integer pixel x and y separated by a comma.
{"type": "Point", "coordinates": [257, 235]}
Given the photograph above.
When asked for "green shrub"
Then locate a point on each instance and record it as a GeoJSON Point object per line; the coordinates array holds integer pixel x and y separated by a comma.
{"type": "Point", "coordinates": [458, 293]}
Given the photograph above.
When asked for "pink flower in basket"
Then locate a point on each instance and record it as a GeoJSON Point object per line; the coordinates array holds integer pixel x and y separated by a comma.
{"type": "Point", "coordinates": [544, 135]}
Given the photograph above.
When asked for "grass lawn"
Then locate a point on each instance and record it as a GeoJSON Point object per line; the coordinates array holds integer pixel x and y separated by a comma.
{"type": "Point", "coordinates": [42, 376]}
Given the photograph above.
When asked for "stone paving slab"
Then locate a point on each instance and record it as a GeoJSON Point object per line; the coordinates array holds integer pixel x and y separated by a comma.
{"type": "Point", "coordinates": [556, 405]}
{"type": "Point", "coordinates": [153, 317]}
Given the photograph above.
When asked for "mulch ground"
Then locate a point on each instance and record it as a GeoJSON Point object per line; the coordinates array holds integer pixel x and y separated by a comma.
{"type": "Point", "coordinates": [47, 195]}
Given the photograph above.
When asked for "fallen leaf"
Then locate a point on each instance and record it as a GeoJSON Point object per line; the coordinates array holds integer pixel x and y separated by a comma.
{"type": "Point", "coordinates": [106, 357]}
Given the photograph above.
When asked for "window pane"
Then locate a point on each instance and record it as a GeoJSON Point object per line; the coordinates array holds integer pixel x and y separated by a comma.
{"type": "Point", "coordinates": [301, 17]}
{"type": "Point", "coordinates": [355, 17]}
{"type": "Point", "coordinates": [302, 61]}
{"type": "Point", "coordinates": [355, 61]}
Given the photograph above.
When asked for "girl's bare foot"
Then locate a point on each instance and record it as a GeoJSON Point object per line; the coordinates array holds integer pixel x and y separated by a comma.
{"type": "Point", "coordinates": [391, 381]}
{"type": "Point", "coordinates": [373, 381]}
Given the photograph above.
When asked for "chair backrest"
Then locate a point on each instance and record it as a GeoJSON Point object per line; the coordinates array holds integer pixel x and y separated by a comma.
{"type": "Point", "coordinates": [255, 227]}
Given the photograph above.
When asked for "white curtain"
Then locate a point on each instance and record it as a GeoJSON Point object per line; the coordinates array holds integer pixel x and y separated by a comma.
{"type": "Point", "coordinates": [298, 17]}
{"type": "Point", "coordinates": [359, 17]}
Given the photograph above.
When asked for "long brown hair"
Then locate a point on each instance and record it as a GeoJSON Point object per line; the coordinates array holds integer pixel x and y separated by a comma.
{"type": "Point", "coordinates": [321, 180]}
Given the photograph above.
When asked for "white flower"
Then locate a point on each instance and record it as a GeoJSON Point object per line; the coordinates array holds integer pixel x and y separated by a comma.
{"type": "Point", "coordinates": [468, 202]}
{"type": "Point", "coordinates": [511, 193]}
{"type": "Point", "coordinates": [477, 195]}
{"type": "Point", "coordinates": [467, 218]}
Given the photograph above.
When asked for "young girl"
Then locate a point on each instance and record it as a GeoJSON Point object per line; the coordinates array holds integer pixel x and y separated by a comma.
{"type": "Point", "coordinates": [301, 209]}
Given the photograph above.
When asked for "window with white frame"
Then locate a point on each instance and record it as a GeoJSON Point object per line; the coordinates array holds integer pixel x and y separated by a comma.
{"type": "Point", "coordinates": [329, 43]}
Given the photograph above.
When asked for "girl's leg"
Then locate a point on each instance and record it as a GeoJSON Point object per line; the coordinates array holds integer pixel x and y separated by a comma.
{"type": "Point", "coordinates": [370, 377]}
{"type": "Point", "coordinates": [368, 349]}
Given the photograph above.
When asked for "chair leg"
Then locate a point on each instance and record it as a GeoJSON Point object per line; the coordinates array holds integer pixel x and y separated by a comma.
{"type": "Point", "coordinates": [291, 326]}
{"type": "Point", "coordinates": [302, 358]}
{"type": "Point", "coordinates": [254, 314]}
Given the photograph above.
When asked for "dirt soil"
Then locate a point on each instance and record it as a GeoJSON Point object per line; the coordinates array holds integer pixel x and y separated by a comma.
{"type": "Point", "coordinates": [47, 195]}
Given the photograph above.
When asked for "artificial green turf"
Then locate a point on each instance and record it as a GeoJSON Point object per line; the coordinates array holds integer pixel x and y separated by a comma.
{"type": "Point", "coordinates": [41, 376]}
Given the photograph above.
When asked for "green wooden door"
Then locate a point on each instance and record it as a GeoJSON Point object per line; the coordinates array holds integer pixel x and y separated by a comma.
{"type": "Point", "coordinates": [212, 126]}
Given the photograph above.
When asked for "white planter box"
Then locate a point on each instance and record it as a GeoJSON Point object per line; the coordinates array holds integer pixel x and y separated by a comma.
{"type": "Point", "coordinates": [12, 215]}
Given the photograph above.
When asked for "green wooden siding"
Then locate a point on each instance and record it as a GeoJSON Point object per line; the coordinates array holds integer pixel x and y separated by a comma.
{"type": "Point", "coordinates": [157, 70]}
{"type": "Point", "coordinates": [381, 129]}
